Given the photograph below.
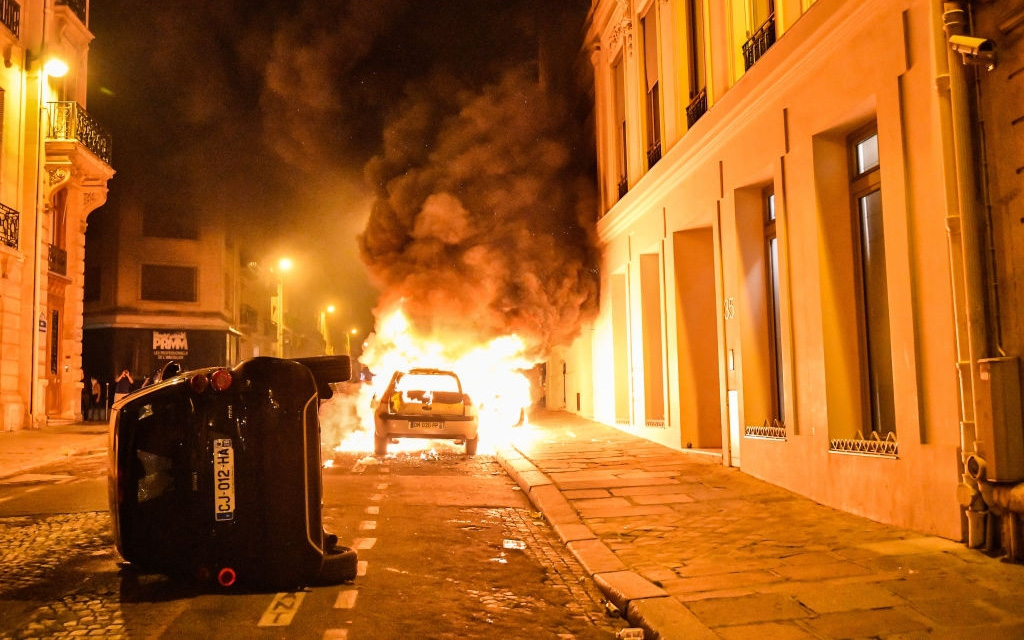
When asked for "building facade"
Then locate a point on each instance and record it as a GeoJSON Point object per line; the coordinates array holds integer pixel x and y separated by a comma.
{"type": "Point", "coordinates": [161, 286]}
{"type": "Point", "coordinates": [54, 167]}
{"type": "Point", "coordinates": [809, 248]}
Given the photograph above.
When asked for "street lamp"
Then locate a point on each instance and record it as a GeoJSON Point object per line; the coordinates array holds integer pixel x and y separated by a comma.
{"type": "Point", "coordinates": [325, 332]}
{"type": "Point", "coordinates": [277, 304]}
{"type": "Point", "coordinates": [348, 341]}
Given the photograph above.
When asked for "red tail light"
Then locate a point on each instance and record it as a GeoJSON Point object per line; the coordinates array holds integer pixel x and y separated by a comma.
{"type": "Point", "coordinates": [221, 379]}
{"type": "Point", "coordinates": [226, 577]}
{"type": "Point", "coordinates": [199, 383]}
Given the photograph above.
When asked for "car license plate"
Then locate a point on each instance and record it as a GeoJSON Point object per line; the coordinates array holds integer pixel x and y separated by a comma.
{"type": "Point", "coordinates": [427, 425]}
{"type": "Point", "coordinates": [223, 480]}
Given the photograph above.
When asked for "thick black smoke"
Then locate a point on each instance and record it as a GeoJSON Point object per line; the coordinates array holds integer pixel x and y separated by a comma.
{"type": "Point", "coordinates": [273, 111]}
{"type": "Point", "coordinates": [481, 222]}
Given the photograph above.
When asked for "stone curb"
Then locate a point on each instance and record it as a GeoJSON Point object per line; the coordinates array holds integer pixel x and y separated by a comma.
{"type": "Point", "coordinates": [641, 602]}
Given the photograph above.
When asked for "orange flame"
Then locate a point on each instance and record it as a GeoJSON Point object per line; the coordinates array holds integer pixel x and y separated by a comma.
{"type": "Point", "coordinates": [492, 373]}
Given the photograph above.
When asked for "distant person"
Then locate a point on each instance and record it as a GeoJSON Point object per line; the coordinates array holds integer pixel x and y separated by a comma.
{"type": "Point", "coordinates": [95, 399]}
{"type": "Point", "coordinates": [123, 385]}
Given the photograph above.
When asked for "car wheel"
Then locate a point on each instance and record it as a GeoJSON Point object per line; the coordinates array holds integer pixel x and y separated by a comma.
{"type": "Point", "coordinates": [380, 445]}
{"type": "Point", "coordinates": [471, 446]}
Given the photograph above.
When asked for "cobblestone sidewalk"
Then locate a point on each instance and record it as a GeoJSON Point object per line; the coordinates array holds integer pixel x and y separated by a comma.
{"type": "Point", "coordinates": [688, 548]}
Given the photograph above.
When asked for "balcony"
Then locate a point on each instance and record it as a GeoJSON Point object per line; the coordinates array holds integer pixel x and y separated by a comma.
{"type": "Point", "coordinates": [758, 43]}
{"type": "Point", "coordinates": [77, 7]}
{"type": "Point", "coordinates": [10, 16]}
{"type": "Point", "coordinates": [9, 223]}
{"type": "Point", "coordinates": [57, 260]}
{"type": "Point", "coordinates": [69, 121]}
{"type": "Point", "coordinates": [698, 106]}
{"type": "Point", "coordinates": [653, 154]}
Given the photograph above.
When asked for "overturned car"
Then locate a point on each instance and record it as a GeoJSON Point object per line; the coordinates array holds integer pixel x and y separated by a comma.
{"type": "Point", "coordinates": [216, 474]}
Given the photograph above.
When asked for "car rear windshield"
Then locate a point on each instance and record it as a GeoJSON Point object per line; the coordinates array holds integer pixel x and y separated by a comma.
{"type": "Point", "coordinates": [428, 382]}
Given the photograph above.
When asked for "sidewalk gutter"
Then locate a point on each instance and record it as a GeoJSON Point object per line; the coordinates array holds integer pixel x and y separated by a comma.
{"type": "Point", "coordinates": [642, 603]}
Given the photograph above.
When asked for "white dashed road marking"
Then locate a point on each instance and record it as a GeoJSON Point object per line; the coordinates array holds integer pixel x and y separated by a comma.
{"type": "Point", "coordinates": [282, 609]}
{"type": "Point", "coordinates": [346, 598]}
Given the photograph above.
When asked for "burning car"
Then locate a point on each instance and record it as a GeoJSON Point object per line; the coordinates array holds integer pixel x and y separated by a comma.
{"type": "Point", "coordinates": [215, 473]}
{"type": "Point", "coordinates": [425, 403]}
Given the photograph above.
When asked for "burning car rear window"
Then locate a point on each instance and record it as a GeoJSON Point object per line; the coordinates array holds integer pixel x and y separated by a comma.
{"type": "Point", "coordinates": [428, 382]}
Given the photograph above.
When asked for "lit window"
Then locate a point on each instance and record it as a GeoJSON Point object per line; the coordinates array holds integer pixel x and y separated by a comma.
{"type": "Point", "coordinates": [873, 299]}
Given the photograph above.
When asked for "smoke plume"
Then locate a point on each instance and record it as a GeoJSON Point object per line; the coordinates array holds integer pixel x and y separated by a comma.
{"type": "Point", "coordinates": [482, 220]}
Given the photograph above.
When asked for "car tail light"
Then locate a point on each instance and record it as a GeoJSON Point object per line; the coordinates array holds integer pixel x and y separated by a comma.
{"type": "Point", "coordinates": [221, 379]}
{"type": "Point", "coordinates": [199, 383]}
{"type": "Point", "coordinates": [226, 577]}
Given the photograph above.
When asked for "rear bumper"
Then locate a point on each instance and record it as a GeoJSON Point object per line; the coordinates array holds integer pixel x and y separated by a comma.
{"type": "Point", "coordinates": [406, 426]}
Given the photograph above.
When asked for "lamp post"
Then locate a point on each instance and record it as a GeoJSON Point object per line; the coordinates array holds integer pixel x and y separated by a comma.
{"type": "Point", "coordinates": [348, 341]}
{"type": "Point", "coordinates": [283, 265]}
{"type": "Point", "coordinates": [325, 332]}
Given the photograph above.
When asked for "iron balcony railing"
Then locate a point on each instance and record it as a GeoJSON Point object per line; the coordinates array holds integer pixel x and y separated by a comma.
{"type": "Point", "coordinates": [76, 6]}
{"type": "Point", "coordinates": [57, 260]}
{"type": "Point", "coordinates": [697, 107]}
{"type": "Point", "coordinates": [653, 154]}
{"type": "Point", "coordinates": [69, 121]}
{"type": "Point", "coordinates": [758, 43]}
{"type": "Point", "coordinates": [9, 222]}
{"type": "Point", "coordinates": [10, 16]}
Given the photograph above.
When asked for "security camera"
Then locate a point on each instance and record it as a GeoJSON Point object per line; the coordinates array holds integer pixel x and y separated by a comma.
{"type": "Point", "coordinates": [979, 51]}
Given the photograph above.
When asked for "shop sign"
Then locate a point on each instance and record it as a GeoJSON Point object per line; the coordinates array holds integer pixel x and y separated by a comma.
{"type": "Point", "coordinates": [170, 345]}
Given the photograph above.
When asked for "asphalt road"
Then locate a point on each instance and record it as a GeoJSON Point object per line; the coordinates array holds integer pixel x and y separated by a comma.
{"type": "Point", "coordinates": [448, 548]}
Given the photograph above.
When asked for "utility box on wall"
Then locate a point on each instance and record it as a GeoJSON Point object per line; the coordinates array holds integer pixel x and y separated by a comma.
{"type": "Point", "coordinates": [999, 422]}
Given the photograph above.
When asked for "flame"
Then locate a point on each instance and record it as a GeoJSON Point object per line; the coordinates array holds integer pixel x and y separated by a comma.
{"type": "Point", "coordinates": [493, 373]}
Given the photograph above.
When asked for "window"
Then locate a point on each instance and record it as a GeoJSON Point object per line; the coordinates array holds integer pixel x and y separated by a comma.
{"type": "Point", "coordinates": [774, 307]}
{"type": "Point", "coordinates": [168, 284]}
{"type": "Point", "coordinates": [54, 342]}
{"type": "Point", "coordinates": [873, 295]}
{"type": "Point", "coordinates": [695, 49]}
{"type": "Point", "coordinates": [762, 31]}
{"type": "Point", "coordinates": [619, 74]}
{"type": "Point", "coordinates": [162, 224]}
{"type": "Point", "coordinates": [649, 26]}
{"type": "Point", "coordinates": [58, 223]}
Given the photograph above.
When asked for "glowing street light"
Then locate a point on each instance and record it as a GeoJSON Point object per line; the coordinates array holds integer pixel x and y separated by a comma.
{"type": "Point", "coordinates": [55, 68]}
{"type": "Point", "coordinates": [325, 332]}
{"type": "Point", "coordinates": [277, 304]}
{"type": "Point", "coordinates": [348, 340]}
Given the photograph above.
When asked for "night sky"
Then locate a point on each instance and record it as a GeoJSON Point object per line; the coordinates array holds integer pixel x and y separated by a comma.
{"type": "Point", "coordinates": [388, 147]}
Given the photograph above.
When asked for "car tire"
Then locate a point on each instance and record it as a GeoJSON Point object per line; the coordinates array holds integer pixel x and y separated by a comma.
{"type": "Point", "coordinates": [380, 445]}
{"type": "Point", "coordinates": [471, 446]}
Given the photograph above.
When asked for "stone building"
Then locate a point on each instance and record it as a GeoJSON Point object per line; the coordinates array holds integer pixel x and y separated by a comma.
{"type": "Point", "coordinates": [54, 166]}
{"type": "Point", "coordinates": [810, 225]}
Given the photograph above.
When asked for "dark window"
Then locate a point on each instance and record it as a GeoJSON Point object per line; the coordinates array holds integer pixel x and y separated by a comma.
{"type": "Point", "coordinates": [695, 49]}
{"type": "Point", "coordinates": [620, 127]}
{"type": "Point", "coordinates": [774, 306]}
{"type": "Point", "coordinates": [54, 342]}
{"type": "Point", "coordinates": [168, 284]}
{"type": "Point", "coordinates": [873, 298]}
{"type": "Point", "coordinates": [649, 25]}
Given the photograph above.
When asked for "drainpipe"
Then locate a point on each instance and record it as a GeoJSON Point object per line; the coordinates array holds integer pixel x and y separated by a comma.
{"type": "Point", "coordinates": [966, 234]}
